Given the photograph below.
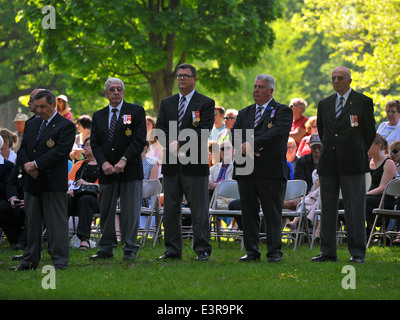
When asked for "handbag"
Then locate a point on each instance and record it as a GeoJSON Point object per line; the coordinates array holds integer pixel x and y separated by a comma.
{"type": "Point", "coordinates": [86, 189]}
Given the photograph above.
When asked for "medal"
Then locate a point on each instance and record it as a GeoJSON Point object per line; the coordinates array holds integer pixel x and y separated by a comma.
{"type": "Point", "coordinates": [127, 119]}
{"type": "Point", "coordinates": [195, 118]}
{"type": "Point", "coordinates": [50, 143]}
{"type": "Point", "coordinates": [128, 132]}
{"type": "Point", "coordinates": [270, 125]}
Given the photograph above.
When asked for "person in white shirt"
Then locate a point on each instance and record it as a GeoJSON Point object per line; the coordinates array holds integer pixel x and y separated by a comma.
{"type": "Point", "coordinates": [390, 129]}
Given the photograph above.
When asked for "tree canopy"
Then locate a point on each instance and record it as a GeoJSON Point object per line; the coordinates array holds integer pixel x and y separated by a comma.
{"type": "Point", "coordinates": [143, 42]}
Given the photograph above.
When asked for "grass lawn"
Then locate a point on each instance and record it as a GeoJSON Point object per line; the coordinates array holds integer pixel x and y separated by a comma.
{"type": "Point", "coordinates": [221, 278]}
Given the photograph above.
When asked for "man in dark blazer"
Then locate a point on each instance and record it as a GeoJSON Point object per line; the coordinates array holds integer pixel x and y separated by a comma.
{"type": "Point", "coordinates": [265, 183]}
{"type": "Point", "coordinates": [44, 155]}
{"type": "Point", "coordinates": [346, 126]}
{"type": "Point", "coordinates": [185, 166]}
{"type": "Point", "coordinates": [117, 145]}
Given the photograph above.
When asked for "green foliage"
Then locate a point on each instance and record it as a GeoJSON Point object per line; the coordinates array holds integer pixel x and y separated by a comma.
{"type": "Point", "coordinates": [363, 34]}
{"type": "Point", "coordinates": [143, 41]}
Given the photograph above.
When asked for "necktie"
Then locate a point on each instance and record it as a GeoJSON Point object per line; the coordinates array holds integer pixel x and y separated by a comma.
{"type": "Point", "coordinates": [258, 116]}
{"type": "Point", "coordinates": [339, 107]}
{"type": "Point", "coordinates": [42, 127]}
{"type": "Point", "coordinates": [181, 112]}
{"type": "Point", "coordinates": [113, 123]}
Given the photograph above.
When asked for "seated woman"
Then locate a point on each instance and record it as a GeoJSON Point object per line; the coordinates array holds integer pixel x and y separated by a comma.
{"type": "Point", "coordinates": [85, 172]}
{"type": "Point", "coordinates": [383, 169]}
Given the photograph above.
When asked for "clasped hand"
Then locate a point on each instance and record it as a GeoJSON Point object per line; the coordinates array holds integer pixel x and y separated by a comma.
{"type": "Point", "coordinates": [109, 169]}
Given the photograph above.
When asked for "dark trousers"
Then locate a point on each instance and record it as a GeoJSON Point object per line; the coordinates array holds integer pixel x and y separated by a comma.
{"type": "Point", "coordinates": [49, 208]}
{"type": "Point", "coordinates": [270, 193]}
{"type": "Point", "coordinates": [195, 189]}
{"type": "Point", "coordinates": [354, 195]}
{"type": "Point", "coordinates": [83, 207]}
{"type": "Point", "coordinates": [11, 221]}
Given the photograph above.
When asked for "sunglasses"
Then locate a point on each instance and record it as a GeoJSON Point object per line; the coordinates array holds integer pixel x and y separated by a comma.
{"type": "Point", "coordinates": [394, 151]}
{"type": "Point", "coordinates": [225, 148]}
{"type": "Point", "coordinates": [229, 118]}
{"type": "Point", "coordinates": [112, 89]}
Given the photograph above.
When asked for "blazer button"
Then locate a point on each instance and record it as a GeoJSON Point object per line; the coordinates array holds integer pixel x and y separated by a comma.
{"type": "Point", "coordinates": [336, 135]}
{"type": "Point", "coordinates": [34, 150]}
{"type": "Point", "coordinates": [112, 149]}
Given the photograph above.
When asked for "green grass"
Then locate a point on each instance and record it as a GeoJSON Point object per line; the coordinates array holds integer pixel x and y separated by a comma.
{"type": "Point", "coordinates": [221, 278]}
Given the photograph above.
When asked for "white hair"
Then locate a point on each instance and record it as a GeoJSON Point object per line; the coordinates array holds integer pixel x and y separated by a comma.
{"type": "Point", "coordinates": [267, 78]}
{"type": "Point", "coordinates": [113, 80]}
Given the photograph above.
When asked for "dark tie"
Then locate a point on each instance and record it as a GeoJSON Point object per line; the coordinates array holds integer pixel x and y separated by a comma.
{"type": "Point", "coordinates": [258, 116]}
{"type": "Point", "coordinates": [339, 107]}
{"type": "Point", "coordinates": [181, 112]}
{"type": "Point", "coordinates": [42, 127]}
{"type": "Point", "coordinates": [113, 123]}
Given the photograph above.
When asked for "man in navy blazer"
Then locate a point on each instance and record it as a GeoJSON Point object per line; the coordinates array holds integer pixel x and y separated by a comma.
{"type": "Point", "coordinates": [265, 181]}
{"type": "Point", "coordinates": [117, 147]}
{"type": "Point", "coordinates": [185, 166]}
{"type": "Point", "coordinates": [44, 155]}
{"type": "Point", "coordinates": [346, 126]}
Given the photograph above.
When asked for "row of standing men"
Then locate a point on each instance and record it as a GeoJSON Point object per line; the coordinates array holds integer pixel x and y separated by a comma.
{"type": "Point", "coordinates": [118, 136]}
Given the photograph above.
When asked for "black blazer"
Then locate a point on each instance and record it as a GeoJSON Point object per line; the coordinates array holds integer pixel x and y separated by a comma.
{"type": "Point", "coordinates": [346, 140]}
{"type": "Point", "coordinates": [128, 141]}
{"type": "Point", "coordinates": [202, 106]}
{"type": "Point", "coordinates": [270, 139]}
{"type": "Point", "coordinates": [5, 172]}
{"type": "Point", "coordinates": [50, 151]}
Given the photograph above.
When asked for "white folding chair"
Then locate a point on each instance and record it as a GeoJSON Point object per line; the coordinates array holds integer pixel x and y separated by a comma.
{"type": "Point", "coordinates": [391, 189]}
{"type": "Point", "coordinates": [226, 189]}
{"type": "Point", "coordinates": [296, 190]}
{"type": "Point", "coordinates": [151, 190]}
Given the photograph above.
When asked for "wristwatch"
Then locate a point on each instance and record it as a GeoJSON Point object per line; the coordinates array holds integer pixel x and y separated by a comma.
{"type": "Point", "coordinates": [124, 158]}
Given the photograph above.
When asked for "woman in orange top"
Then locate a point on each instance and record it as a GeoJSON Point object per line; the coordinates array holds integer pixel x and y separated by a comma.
{"type": "Point", "coordinates": [84, 206]}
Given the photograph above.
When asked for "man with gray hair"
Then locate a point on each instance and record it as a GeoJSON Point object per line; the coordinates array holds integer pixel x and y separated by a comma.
{"type": "Point", "coordinates": [118, 136]}
{"type": "Point", "coordinates": [266, 184]}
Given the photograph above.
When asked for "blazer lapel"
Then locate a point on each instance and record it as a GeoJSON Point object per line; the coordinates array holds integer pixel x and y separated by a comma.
{"type": "Point", "coordinates": [50, 126]}
{"type": "Point", "coordinates": [187, 118]}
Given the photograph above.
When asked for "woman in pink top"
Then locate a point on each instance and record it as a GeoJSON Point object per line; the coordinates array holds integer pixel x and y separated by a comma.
{"type": "Point", "coordinates": [63, 107]}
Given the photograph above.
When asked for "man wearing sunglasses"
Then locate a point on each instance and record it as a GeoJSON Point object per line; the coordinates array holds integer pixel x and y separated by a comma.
{"type": "Point", "coordinates": [346, 126]}
{"type": "Point", "coordinates": [118, 136]}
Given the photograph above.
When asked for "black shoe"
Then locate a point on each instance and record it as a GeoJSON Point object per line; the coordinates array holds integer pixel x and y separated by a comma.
{"type": "Point", "coordinates": [60, 266]}
{"type": "Point", "coordinates": [356, 260]}
{"type": "Point", "coordinates": [167, 256]}
{"type": "Point", "coordinates": [101, 255]}
{"type": "Point", "coordinates": [249, 257]}
{"type": "Point", "coordinates": [322, 258]}
{"type": "Point", "coordinates": [274, 258]}
{"type": "Point", "coordinates": [17, 257]}
{"type": "Point", "coordinates": [129, 257]}
{"type": "Point", "coordinates": [202, 256]}
{"type": "Point", "coordinates": [22, 267]}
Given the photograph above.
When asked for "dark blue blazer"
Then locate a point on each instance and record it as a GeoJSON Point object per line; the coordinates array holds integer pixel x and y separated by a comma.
{"type": "Point", "coordinates": [50, 151]}
{"type": "Point", "coordinates": [204, 106]}
{"type": "Point", "coordinates": [128, 141]}
{"type": "Point", "coordinates": [346, 140]}
{"type": "Point", "coordinates": [270, 139]}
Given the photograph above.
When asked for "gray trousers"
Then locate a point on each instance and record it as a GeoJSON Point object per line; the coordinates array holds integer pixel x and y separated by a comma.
{"type": "Point", "coordinates": [195, 189]}
{"type": "Point", "coordinates": [49, 209]}
{"type": "Point", "coordinates": [130, 197]}
{"type": "Point", "coordinates": [354, 200]}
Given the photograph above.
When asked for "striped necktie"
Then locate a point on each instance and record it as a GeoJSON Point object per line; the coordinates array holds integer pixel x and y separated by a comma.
{"type": "Point", "coordinates": [42, 127]}
{"type": "Point", "coordinates": [258, 116]}
{"type": "Point", "coordinates": [339, 107]}
{"type": "Point", "coordinates": [113, 124]}
{"type": "Point", "coordinates": [181, 112]}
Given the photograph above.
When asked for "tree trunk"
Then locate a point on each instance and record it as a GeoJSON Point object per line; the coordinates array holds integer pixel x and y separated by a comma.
{"type": "Point", "coordinates": [161, 84]}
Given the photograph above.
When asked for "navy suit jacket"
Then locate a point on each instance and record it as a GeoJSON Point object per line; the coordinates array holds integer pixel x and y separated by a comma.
{"type": "Point", "coordinates": [204, 106]}
{"type": "Point", "coordinates": [128, 141]}
{"type": "Point", "coordinates": [270, 139]}
{"type": "Point", "coordinates": [346, 140]}
{"type": "Point", "coordinates": [50, 151]}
